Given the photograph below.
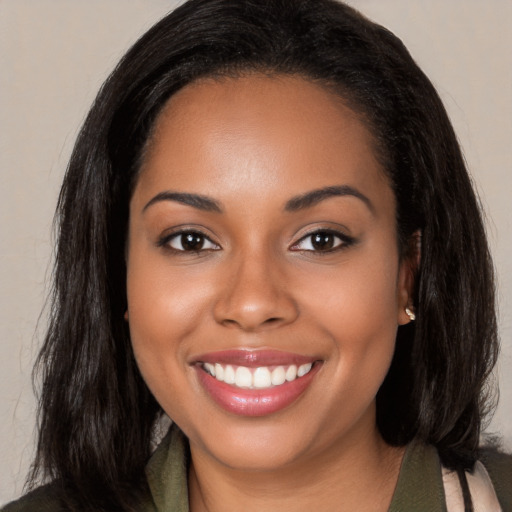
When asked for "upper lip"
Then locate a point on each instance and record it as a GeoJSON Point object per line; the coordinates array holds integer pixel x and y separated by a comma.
{"type": "Point", "coordinates": [254, 358]}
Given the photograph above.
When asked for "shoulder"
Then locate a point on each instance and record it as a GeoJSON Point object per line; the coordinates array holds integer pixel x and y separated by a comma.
{"type": "Point", "coordinates": [499, 467]}
{"type": "Point", "coordinates": [42, 499]}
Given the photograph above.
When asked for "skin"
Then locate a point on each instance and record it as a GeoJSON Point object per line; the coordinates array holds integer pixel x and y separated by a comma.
{"type": "Point", "coordinates": [251, 144]}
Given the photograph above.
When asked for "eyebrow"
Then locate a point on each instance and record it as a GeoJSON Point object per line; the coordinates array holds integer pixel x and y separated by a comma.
{"type": "Point", "coordinates": [300, 202]}
{"type": "Point", "coordinates": [310, 199]}
{"type": "Point", "coordinates": [195, 200]}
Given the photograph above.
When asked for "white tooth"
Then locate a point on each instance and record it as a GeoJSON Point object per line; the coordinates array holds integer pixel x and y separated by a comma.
{"type": "Point", "coordinates": [229, 375]}
{"type": "Point", "coordinates": [303, 369]}
{"type": "Point", "coordinates": [291, 373]}
{"type": "Point", "coordinates": [243, 377]}
{"type": "Point", "coordinates": [219, 372]}
{"type": "Point", "coordinates": [209, 368]}
{"type": "Point", "coordinates": [261, 378]}
{"type": "Point", "coordinates": [278, 376]}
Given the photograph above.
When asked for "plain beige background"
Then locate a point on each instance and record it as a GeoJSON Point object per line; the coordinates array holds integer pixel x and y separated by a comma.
{"type": "Point", "coordinates": [54, 55]}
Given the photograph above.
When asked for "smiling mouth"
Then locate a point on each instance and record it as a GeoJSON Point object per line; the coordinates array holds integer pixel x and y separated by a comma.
{"type": "Point", "coordinates": [255, 382]}
{"type": "Point", "coordinates": [262, 377]}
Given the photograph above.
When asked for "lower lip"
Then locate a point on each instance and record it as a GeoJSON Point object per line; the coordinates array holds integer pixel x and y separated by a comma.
{"type": "Point", "coordinates": [255, 402]}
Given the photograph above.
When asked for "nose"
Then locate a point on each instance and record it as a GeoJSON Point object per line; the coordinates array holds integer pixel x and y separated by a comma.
{"type": "Point", "coordinates": [255, 296]}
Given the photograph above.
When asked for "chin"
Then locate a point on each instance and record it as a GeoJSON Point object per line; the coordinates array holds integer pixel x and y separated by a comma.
{"type": "Point", "coordinates": [255, 444]}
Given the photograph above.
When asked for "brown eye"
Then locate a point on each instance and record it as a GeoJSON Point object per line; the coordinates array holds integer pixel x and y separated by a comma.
{"type": "Point", "coordinates": [191, 241]}
{"type": "Point", "coordinates": [323, 241]}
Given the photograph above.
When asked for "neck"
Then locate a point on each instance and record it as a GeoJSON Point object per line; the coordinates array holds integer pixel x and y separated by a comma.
{"type": "Point", "coordinates": [350, 476]}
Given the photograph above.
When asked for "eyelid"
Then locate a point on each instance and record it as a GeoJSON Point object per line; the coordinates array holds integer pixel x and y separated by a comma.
{"type": "Point", "coordinates": [345, 240]}
{"type": "Point", "coordinates": [165, 239]}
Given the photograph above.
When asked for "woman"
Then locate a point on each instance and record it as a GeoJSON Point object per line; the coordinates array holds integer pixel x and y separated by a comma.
{"type": "Point", "coordinates": [268, 234]}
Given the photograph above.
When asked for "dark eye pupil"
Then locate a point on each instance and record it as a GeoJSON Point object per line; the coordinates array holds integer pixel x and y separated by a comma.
{"type": "Point", "coordinates": [192, 241]}
{"type": "Point", "coordinates": [322, 241]}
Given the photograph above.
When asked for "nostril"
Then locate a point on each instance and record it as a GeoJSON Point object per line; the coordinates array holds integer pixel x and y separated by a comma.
{"type": "Point", "coordinates": [228, 322]}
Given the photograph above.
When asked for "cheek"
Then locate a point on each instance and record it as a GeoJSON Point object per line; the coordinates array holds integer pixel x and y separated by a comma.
{"type": "Point", "coordinates": [169, 307]}
{"type": "Point", "coordinates": [163, 299]}
{"type": "Point", "coordinates": [357, 307]}
{"type": "Point", "coordinates": [159, 321]}
{"type": "Point", "coordinates": [361, 294]}
{"type": "Point", "coordinates": [164, 306]}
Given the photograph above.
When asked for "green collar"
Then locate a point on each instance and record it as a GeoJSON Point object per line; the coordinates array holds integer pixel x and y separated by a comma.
{"type": "Point", "coordinates": [167, 473]}
{"type": "Point", "coordinates": [419, 487]}
{"type": "Point", "coordinates": [420, 482]}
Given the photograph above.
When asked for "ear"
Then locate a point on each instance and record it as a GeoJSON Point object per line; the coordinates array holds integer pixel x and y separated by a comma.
{"type": "Point", "coordinates": [126, 315]}
{"type": "Point", "coordinates": [407, 273]}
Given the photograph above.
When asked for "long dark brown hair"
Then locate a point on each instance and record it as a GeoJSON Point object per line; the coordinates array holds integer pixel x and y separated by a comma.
{"type": "Point", "coordinates": [96, 413]}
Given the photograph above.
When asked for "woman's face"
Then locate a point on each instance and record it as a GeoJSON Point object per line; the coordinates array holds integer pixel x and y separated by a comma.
{"type": "Point", "coordinates": [263, 250]}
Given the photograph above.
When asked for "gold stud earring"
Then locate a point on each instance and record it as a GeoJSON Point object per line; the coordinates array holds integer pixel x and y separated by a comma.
{"type": "Point", "coordinates": [410, 314]}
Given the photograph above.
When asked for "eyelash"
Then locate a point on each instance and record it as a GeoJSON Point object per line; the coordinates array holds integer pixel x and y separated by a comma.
{"type": "Point", "coordinates": [166, 241]}
{"type": "Point", "coordinates": [343, 241]}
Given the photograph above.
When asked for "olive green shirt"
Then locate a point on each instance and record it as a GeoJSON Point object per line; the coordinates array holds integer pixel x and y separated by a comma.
{"type": "Point", "coordinates": [419, 487]}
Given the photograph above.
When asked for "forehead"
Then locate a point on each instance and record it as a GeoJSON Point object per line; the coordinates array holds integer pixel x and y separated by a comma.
{"type": "Point", "coordinates": [260, 131]}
